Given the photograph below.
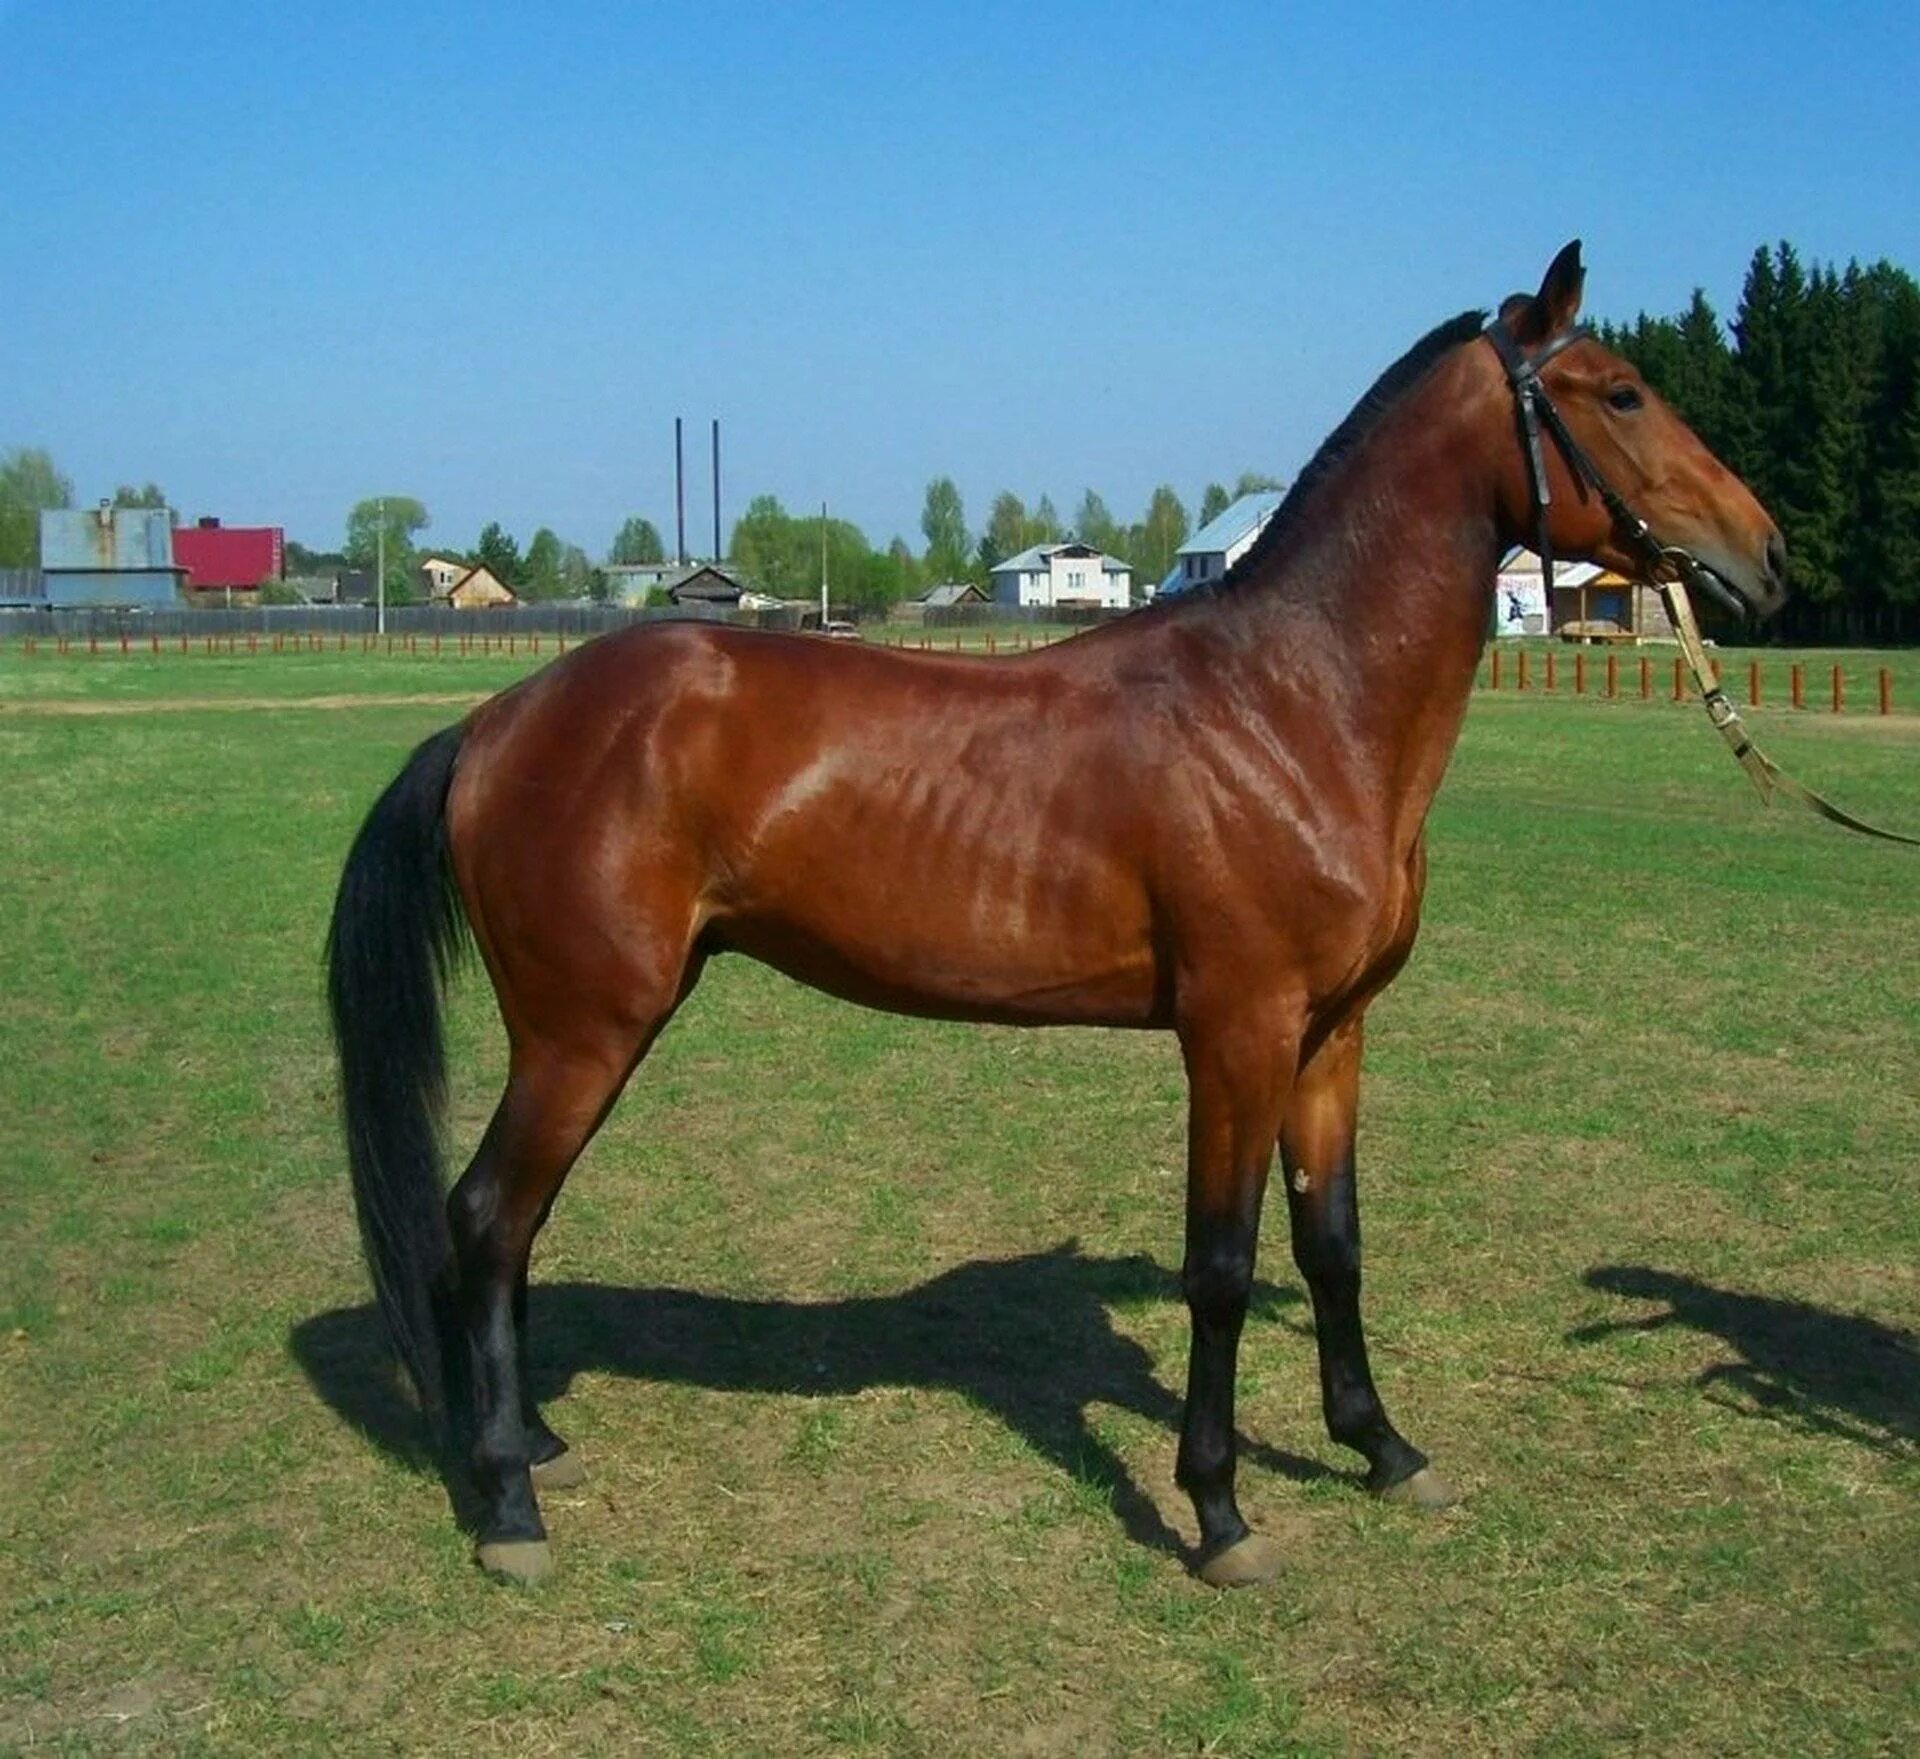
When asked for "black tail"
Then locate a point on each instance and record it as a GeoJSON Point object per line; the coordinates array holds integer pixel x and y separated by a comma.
{"type": "Point", "coordinates": [398, 930]}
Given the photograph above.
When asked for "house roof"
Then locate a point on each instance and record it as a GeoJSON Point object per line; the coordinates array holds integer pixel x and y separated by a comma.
{"type": "Point", "coordinates": [1234, 522]}
{"type": "Point", "coordinates": [1036, 556]}
{"type": "Point", "coordinates": [710, 583]}
{"type": "Point", "coordinates": [217, 556]}
{"type": "Point", "coordinates": [951, 592]}
{"type": "Point", "coordinates": [105, 537]}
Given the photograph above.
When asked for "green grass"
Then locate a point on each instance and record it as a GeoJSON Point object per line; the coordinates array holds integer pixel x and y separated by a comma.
{"type": "Point", "coordinates": [867, 1331]}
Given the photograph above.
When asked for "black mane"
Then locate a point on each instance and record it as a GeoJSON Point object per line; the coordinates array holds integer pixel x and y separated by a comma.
{"type": "Point", "coordinates": [1361, 420]}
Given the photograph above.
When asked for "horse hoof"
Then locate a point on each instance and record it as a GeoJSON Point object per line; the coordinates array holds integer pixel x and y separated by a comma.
{"type": "Point", "coordinates": [1426, 1489]}
{"type": "Point", "coordinates": [1244, 1564]}
{"type": "Point", "coordinates": [521, 1562]}
{"type": "Point", "coordinates": [563, 1472]}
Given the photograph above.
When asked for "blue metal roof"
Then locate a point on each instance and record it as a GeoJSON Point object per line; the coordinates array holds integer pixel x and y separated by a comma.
{"type": "Point", "coordinates": [1227, 528]}
{"type": "Point", "coordinates": [104, 539]}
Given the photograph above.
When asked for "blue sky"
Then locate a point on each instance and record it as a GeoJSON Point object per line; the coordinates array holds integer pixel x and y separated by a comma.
{"type": "Point", "coordinates": [277, 258]}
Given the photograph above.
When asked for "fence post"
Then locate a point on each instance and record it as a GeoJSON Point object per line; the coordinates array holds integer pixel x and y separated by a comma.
{"type": "Point", "coordinates": [1550, 670]}
{"type": "Point", "coordinates": [1520, 670]}
{"type": "Point", "coordinates": [1496, 669]}
{"type": "Point", "coordinates": [1753, 684]}
{"type": "Point", "coordinates": [1886, 691]}
{"type": "Point", "coordinates": [1613, 674]}
{"type": "Point", "coordinates": [1679, 679]}
{"type": "Point", "coordinates": [1797, 685]}
{"type": "Point", "coordinates": [1839, 691]}
{"type": "Point", "coordinates": [1646, 679]}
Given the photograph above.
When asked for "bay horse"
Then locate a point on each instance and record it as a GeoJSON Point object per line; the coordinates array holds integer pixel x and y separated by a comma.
{"type": "Point", "coordinates": [1206, 818]}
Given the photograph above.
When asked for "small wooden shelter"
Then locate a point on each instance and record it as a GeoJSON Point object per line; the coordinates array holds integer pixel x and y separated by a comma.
{"type": "Point", "coordinates": [480, 589]}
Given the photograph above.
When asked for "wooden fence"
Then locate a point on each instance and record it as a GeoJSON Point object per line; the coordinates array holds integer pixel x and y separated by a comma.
{"type": "Point", "coordinates": [1523, 672]}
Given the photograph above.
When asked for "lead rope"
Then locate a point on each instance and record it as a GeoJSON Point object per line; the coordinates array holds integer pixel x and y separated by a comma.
{"type": "Point", "coordinates": [1767, 776]}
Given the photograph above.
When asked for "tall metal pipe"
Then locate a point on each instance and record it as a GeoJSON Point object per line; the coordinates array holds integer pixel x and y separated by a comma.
{"type": "Point", "coordinates": [679, 495]}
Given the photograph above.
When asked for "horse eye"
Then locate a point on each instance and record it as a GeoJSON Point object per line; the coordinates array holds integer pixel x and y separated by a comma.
{"type": "Point", "coordinates": [1623, 397]}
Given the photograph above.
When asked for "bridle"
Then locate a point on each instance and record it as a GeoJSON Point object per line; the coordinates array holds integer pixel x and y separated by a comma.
{"type": "Point", "coordinates": [1536, 410]}
{"type": "Point", "coordinates": [1670, 568]}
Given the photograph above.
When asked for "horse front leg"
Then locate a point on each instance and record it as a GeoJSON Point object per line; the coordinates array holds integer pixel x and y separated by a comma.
{"type": "Point", "coordinates": [1317, 1155]}
{"type": "Point", "coordinates": [1238, 1070]}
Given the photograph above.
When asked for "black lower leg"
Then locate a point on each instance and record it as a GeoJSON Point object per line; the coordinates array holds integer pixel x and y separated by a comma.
{"type": "Point", "coordinates": [1326, 1245]}
{"type": "Point", "coordinates": [495, 1432]}
{"type": "Point", "coordinates": [543, 1443]}
{"type": "Point", "coordinates": [1217, 1278]}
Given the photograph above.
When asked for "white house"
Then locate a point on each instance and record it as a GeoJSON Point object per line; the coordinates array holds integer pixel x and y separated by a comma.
{"type": "Point", "coordinates": [1063, 574]}
{"type": "Point", "coordinates": [1206, 556]}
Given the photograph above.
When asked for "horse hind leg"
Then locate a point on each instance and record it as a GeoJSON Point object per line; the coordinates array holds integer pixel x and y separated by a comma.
{"type": "Point", "coordinates": [556, 1096]}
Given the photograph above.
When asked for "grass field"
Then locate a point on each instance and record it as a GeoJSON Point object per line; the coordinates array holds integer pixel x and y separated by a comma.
{"type": "Point", "coordinates": [867, 1328]}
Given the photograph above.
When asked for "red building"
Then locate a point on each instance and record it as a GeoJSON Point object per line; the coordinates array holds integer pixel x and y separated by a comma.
{"type": "Point", "coordinates": [228, 560]}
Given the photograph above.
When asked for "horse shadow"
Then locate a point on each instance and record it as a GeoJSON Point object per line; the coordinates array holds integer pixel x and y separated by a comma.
{"type": "Point", "coordinates": [1839, 1374]}
{"type": "Point", "coordinates": [1030, 1340]}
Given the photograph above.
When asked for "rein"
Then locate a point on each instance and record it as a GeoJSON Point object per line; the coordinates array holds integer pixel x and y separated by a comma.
{"type": "Point", "coordinates": [1670, 568]}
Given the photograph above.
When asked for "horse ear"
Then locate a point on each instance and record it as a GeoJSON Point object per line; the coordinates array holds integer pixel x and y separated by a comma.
{"type": "Point", "coordinates": [1554, 307]}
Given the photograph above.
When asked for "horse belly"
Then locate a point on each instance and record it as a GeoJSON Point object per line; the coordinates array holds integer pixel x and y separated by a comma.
{"type": "Point", "coordinates": [889, 931]}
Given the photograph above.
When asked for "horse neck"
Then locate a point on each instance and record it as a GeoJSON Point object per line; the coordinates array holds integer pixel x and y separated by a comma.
{"type": "Point", "coordinates": [1374, 612]}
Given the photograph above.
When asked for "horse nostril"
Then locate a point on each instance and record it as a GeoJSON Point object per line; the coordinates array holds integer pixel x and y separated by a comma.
{"type": "Point", "coordinates": [1777, 559]}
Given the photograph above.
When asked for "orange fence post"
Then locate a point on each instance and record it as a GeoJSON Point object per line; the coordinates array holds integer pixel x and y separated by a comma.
{"type": "Point", "coordinates": [1580, 673]}
{"type": "Point", "coordinates": [1886, 691]}
{"type": "Point", "coordinates": [1753, 683]}
{"type": "Point", "coordinates": [1520, 670]}
{"type": "Point", "coordinates": [1679, 679]}
{"type": "Point", "coordinates": [1646, 679]}
{"type": "Point", "coordinates": [1496, 668]}
{"type": "Point", "coordinates": [1550, 675]}
{"type": "Point", "coordinates": [1613, 674]}
{"type": "Point", "coordinates": [1839, 691]}
{"type": "Point", "coordinates": [1797, 685]}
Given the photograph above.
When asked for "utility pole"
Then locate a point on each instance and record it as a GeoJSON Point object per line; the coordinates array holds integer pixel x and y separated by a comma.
{"type": "Point", "coordinates": [380, 569]}
{"type": "Point", "coordinates": [823, 567]}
